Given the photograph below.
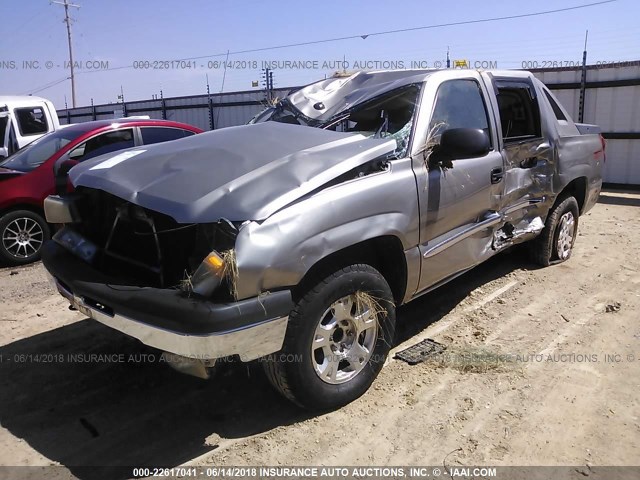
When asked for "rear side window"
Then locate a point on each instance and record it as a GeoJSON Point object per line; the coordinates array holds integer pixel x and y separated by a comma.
{"type": "Point", "coordinates": [557, 111]}
{"type": "Point", "coordinates": [162, 134]}
{"type": "Point", "coordinates": [519, 114]}
{"type": "Point", "coordinates": [31, 121]}
{"type": "Point", "coordinates": [101, 144]}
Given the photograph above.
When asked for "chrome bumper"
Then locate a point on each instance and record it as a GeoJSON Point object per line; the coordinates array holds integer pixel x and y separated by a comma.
{"type": "Point", "coordinates": [249, 343]}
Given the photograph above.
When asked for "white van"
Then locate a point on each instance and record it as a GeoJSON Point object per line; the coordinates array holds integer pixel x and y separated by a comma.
{"type": "Point", "coordinates": [24, 119]}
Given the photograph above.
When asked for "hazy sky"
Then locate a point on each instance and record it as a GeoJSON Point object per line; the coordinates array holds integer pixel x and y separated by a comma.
{"type": "Point", "coordinates": [124, 32]}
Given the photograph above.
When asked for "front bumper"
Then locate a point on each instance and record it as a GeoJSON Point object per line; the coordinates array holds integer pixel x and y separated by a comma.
{"type": "Point", "coordinates": [168, 320]}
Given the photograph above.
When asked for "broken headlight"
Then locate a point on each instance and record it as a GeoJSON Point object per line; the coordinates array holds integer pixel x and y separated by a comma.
{"type": "Point", "coordinates": [207, 276]}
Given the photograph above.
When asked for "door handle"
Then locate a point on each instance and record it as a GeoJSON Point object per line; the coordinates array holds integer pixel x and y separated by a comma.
{"type": "Point", "coordinates": [536, 155]}
{"type": "Point", "coordinates": [529, 162]}
{"type": "Point", "coordinates": [542, 148]}
{"type": "Point", "coordinates": [496, 175]}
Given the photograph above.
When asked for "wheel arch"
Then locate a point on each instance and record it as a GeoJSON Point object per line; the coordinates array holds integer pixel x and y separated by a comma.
{"type": "Point", "coordinates": [23, 206]}
{"type": "Point", "coordinates": [384, 253]}
{"type": "Point", "coordinates": [576, 188]}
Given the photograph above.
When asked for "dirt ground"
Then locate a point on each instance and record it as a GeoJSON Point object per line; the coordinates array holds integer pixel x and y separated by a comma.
{"type": "Point", "coordinates": [542, 367]}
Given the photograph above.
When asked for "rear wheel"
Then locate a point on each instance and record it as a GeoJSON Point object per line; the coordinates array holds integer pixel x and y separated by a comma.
{"type": "Point", "coordinates": [337, 341]}
{"type": "Point", "coordinates": [555, 243]}
{"type": "Point", "coordinates": [22, 234]}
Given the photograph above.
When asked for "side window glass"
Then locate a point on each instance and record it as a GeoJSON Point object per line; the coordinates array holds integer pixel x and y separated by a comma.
{"type": "Point", "coordinates": [105, 143]}
{"type": "Point", "coordinates": [161, 134]}
{"type": "Point", "coordinates": [31, 121]}
{"type": "Point", "coordinates": [519, 117]}
{"type": "Point", "coordinates": [459, 104]}
{"type": "Point", "coordinates": [557, 111]}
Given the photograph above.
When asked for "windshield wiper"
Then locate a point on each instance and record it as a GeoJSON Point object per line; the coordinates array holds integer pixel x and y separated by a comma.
{"type": "Point", "coordinates": [335, 120]}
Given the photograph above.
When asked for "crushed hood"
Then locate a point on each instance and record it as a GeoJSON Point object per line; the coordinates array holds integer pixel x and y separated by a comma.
{"type": "Point", "coordinates": [239, 173]}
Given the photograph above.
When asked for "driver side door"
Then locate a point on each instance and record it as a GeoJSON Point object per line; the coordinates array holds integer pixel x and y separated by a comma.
{"type": "Point", "coordinates": [458, 198]}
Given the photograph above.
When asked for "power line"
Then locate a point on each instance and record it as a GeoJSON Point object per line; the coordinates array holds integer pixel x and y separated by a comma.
{"type": "Point", "coordinates": [376, 34]}
{"type": "Point", "coordinates": [10, 34]}
{"type": "Point", "coordinates": [46, 86]}
{"type": "Point", "coordinates": [403, 30]}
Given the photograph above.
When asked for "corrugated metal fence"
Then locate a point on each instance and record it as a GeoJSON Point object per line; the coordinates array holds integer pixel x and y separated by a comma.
{"type": "Point", "coordinates": [204, 111]}
{"type": "Point", "coordinates": [611, 100]}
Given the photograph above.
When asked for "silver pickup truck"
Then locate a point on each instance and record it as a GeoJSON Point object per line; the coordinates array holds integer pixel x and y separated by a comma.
{"type": "Point", "coordinates": [292, 241]}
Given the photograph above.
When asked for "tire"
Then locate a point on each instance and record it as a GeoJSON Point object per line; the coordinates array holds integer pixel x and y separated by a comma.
{"type": "Point", "coordinates": [22, 234]}
{"type": "Point", "coordinates": [555, 243]}
{"type": "Point", "coordinates": [355, 350]}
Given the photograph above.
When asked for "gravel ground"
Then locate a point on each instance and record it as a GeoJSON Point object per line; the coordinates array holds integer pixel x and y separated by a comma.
{"type": "Point", "coordinates": [542, 367]}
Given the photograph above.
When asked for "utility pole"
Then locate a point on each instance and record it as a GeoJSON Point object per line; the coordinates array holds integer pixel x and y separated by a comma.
{"type": "Point", "coordinates": [448, 59]}
{"type": "Point", "coordinates": [210, 105]}
{"type": "Point", "coordinates": [163, 106]}
{"type": "Point", "coordinates": [66, 108]}
{"type": "Point", "coordinates": [583, 80]}
{"type": "Point", "coordinates": [124, 105]}
{"type": "Point", "coordinates": [267, 75]}
{"type": "Point", "coordinates": [271, 85]}
{"type": "Point", "coordinates": [67, 20]}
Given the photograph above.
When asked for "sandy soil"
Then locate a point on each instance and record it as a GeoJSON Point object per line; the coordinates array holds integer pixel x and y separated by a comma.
{"type": "Point", "coordinates": [542, 367]}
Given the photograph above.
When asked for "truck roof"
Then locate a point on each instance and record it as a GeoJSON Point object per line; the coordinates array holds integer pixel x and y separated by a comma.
{"type": "Point", "coordinates": [326, 98]}
{"type": "Point", "coordinates": [423, 74]}
{"type": "Point", "coordinates": [21, 100]}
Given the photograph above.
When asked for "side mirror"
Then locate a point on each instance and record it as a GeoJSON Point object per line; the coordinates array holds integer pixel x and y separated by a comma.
{"type": "Point", "coordinates": [65, 166]}
{"type": "Point", "coordinates": [458, 143]}
{"type": "Point", "coordinates": [61, 173]}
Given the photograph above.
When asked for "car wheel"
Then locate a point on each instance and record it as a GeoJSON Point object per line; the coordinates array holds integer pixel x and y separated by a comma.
{"type": "Point", "coordinates": [337, 340]}
{"type": "Point", "coordinates": [22, 234]}
{"type": "Point", "coordinates": [555, 243]}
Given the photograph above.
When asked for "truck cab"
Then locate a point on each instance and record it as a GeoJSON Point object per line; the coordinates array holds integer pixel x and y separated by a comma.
{"type": "Point", "coordinates": [24, 119]}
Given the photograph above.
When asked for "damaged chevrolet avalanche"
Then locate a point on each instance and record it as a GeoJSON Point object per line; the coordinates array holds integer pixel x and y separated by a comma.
{"type": "Point", "coordinates": [293, 240]}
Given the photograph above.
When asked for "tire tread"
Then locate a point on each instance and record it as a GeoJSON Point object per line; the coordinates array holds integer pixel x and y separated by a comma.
{"type": "Point", "coordinates": [541, 247]}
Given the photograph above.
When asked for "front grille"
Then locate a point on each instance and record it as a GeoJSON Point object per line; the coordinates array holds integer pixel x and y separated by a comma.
{"type": "Point", "coordinates": [141, 246]}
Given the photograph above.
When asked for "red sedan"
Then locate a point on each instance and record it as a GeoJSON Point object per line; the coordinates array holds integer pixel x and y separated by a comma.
{"type": "Point", "coordinates": [28, 176]}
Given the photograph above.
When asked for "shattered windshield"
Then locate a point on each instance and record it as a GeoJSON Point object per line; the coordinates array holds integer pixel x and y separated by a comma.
{"type": "Point", "coordinates": [376, 105]}
{"type": "Point", "coordinates": [282, 113]}
{"type": "Point", "coordinates": [390, 115]}
{"type": "Point", "coordinates": [263, 116]}
{"type": "Point", "coordinates": [324, 100]}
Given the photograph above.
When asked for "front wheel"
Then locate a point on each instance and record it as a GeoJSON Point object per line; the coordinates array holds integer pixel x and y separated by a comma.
{"type": "Point", "coordinates": [555, 243]}
{"type": "Point", "coordinates": [22, 234]}
{"type": "Point", "coordinates": [337, 340]}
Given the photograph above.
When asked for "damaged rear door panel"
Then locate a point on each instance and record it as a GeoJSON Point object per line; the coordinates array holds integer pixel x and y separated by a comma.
{"type": "Point", "coordinates": [529, 154]}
